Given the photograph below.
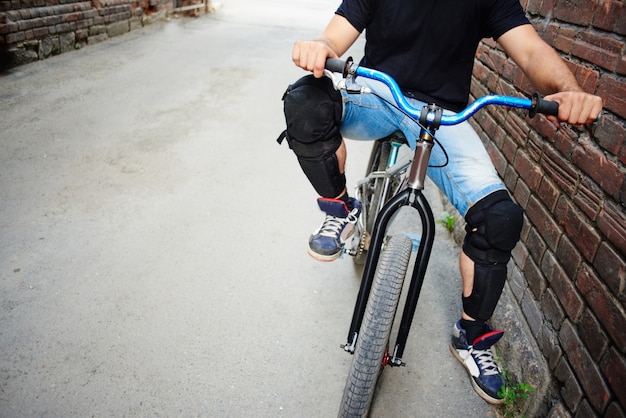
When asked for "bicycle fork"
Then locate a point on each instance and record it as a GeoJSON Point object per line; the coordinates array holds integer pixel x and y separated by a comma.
{"type": "Point", "coordinates": [411, 196]}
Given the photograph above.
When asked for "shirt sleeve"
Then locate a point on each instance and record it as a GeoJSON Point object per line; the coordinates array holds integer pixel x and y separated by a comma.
{"type": "Point", "coordinates": [504, 15]}
{"type": "Point", "coordinates": [357, 12]}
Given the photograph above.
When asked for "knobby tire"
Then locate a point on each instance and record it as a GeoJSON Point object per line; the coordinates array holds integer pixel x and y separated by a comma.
{"type": "Point", "coordinates": [373, 340]}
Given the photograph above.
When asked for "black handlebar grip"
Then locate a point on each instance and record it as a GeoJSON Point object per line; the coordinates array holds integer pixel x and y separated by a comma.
{"type": "Point", "coordinates": [337, 65]}
{"type": "Point", "coordinates": [542, 106]}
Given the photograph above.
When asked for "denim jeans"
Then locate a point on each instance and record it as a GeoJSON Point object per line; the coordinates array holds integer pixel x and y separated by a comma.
{"type": "Point", "coordinates": [469, 175]}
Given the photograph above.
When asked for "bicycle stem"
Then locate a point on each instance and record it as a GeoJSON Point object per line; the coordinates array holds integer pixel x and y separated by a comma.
{"type": "Point", "coordinates": [423, 148]}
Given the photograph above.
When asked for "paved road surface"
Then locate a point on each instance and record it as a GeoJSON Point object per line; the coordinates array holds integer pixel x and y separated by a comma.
{"type": "Point", "coordinates": [152, 237]}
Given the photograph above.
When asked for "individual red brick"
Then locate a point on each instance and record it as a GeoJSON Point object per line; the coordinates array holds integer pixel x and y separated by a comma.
{"type": "Point", "coordinates": [591, 334]}
{"type": "Point", "coordinates": [594, 163]}
{"type": "Point", "coordinates": [607, 15]}
{"type": "Point", "coordinates": [510, 177]}
{"type": "Point", "coordinates": [507, 88]}
{"type": "Point", "coordinates": [481, 72]}
{"type": "Point", "coordinates": [508, 148]}
{"type": "Point", "coordinates": [611, 267]}
{"type": "Point", "coordinates": [605, 55]}
{"type": "Point", "coordinates": [498, 159]}
{"type": "Point", "coordinates": [551, 309]}
{"type": "Point", "coordinates": [489, 125]}
{"type": "Point", "coordinates": [521, 82]}
{"type": "Point", "coordinates": [547, 32]}
{"type": "Point", "coordinates": [586, 77]}
{"type": "Point", "coordinates": [578, 228]}
{"type": "Point", "coordinates": [547, 7]}
{"type": "Point", "coordinates": [589, 198]}
{"type": "Point", "coordinates": [571, 391]}
{"type": "Point", "coordinates": [565, 140]}
{"type": "Point", "coordinates": [516, 128]}
{"type": "Point", "coordinates": [521, 193]}
{"type": "Point", "coordinates": [550, 347]}
{"type": "Point", "coordinates": [559, 170]}
{"type": "Point", "coordinates": [548, 193]}
{"type": "Point", "coordinates": [563, 39]}
{"type": "Point", "coordinates": [614, 410]}
{"type": "Point", "coordinates": [568, 255]}
{"type": "Point", "coordinates": [612, 223]}
{"type": "Point", "coordinates": [16, 37]}
{"type": "Point", "coordinates": [584, 411]}
{"type": "Point", "coordinates": [611, 135]}
{"type": "Point", "coordinates": [613, 91]}
{"type": "Point", "coordinates": [535, 244]}
{"type": "Point", "coordinates": [579, 12]}
{"type": "Point", "coordinates": [607, 308]}
{"type": "Point", "coordinates": [586, 370]}
{"type": "Point", "coordinates": [536, 282]}
{"type": "Point", "coordinates": [563, 287]}
{"type": "Point", "coordinates": [542, 219]}
{"type": "Point", "coordinates": [520, 254]}
{"type": "Point", "coordinates": [527, 169]}
{"type": "Point", "coordinates": [40, 32]}
{"type": "Point", "coordinates": [543, 126]}
{"type": "Point", "coordinates": [614, 368]}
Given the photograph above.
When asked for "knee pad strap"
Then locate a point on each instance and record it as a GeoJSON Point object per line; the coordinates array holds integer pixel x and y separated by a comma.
{"type": "Point", "coordinates": [488, 284]}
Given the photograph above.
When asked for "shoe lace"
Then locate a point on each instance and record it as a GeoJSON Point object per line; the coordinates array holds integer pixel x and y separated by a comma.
{"type": "Point", "coordinates": [333, 225]}
{"type": "Point", "coordinates": [485, 361]}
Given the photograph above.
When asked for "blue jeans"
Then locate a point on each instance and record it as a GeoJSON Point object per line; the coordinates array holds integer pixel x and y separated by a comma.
{"type": "Point", "coordinates": [469, 175]}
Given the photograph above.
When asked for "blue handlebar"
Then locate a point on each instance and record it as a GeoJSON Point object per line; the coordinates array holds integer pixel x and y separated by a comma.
{"type": "Point", "coordinates": [533, 105]}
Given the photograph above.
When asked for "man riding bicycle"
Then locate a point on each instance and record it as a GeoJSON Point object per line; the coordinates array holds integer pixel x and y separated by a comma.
{"type": "Point", "coordinates": [428, 47]}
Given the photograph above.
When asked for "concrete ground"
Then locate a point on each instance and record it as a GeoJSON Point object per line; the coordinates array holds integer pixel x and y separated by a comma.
{"type": "Point", "coordinates": [153, 235]}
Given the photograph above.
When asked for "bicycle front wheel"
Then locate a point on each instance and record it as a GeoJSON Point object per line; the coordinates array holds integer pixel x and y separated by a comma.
{"type": "Point", "coordinates": [372, 347]}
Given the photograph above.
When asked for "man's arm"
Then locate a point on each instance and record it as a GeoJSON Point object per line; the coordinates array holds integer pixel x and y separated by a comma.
{"type": "Point", "coordinates": [550, 75]}
{"type": "Point", "coordinates": [338, 36]}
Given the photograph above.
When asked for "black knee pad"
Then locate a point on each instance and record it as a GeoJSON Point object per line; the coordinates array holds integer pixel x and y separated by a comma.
{"type": "Point", "coordinates": [494, 225]}
{"type": "Point", "coordinates": [493, 229]}
{"type": "Point", "coordinates": [313, 110]}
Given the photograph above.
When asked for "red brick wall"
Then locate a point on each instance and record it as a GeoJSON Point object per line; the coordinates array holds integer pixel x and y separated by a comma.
{"type": "Point", "coordinates": [36, 29]}
{"type": "Point", "coordinates": [571, 182]}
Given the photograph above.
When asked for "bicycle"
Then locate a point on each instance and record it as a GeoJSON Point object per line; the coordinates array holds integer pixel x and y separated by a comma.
{"type": "Point", "coordinates": [392, 183]}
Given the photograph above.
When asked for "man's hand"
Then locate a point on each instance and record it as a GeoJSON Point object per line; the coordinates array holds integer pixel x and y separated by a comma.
{"type": "Point", "coordinates": [576, 107]}
{"type": "Point", "coordinates": [338, 36]}
{"type": "Point", "coordinates": [311, 56]}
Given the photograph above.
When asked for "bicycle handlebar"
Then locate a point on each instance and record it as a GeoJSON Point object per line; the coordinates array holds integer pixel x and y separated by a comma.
{"type": "Point", "coordinates": [432, 115]}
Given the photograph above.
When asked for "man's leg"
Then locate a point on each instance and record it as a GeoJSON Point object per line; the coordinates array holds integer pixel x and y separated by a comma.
{"type": "Point", "coordinates": [313, 110]}
{"type": "Point", "coordinates": [341, 155]}
{"type": "Point", "coordinates": [493, 228]}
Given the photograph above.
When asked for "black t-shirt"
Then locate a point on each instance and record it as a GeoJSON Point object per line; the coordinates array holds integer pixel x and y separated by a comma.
{"type": "Point", "coordinates": [428, 46]}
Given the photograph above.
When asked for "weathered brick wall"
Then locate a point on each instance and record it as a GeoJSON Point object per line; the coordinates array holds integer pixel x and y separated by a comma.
{"type": "Point", "coordinates": [569, 271]}
{"type": "Point", "coordinates": [36, 29]}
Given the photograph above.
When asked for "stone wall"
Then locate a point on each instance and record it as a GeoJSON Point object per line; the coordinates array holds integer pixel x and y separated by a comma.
{"type": "Point", "coordinates": [31, 30]}
{"type": "Point", "coordinates": [568, 275]}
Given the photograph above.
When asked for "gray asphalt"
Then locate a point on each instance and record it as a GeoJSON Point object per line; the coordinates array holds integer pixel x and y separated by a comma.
{"type": "Point", "coordinates": [153, 236]}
